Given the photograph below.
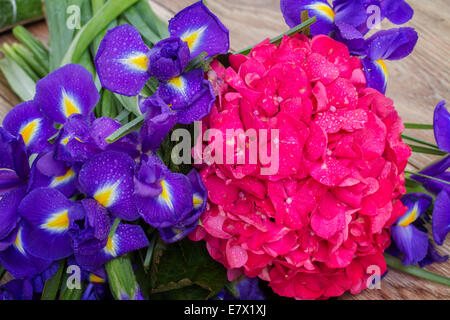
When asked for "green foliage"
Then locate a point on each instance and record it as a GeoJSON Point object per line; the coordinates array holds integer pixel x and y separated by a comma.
{"type": "Point", "coordinates": [184, 270]}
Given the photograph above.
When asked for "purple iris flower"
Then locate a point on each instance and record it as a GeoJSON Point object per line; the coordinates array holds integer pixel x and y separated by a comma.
{"type": "Point", "coordinates": [108, 178]}
{"type": "Point", "coordinates": [245, 289]}
{"type": "Point", "coordinates": [18, 289]}
{"type": "Point", "coordinates": [168, 58]}
{"type": "Point", "coordinates": [124, 63]}
{"type": "Point", "coordinates": [409, 239]}
{"type": "Point", "coordinates": [393, 44]}
{"type": "Point", "coordinates": [353, 13]}
{"type": "Point", "coordinates": [348, 22]}
{"type": "Point", "coordinates": [92, 241]}
{"type": "Point", "coordinates": [163, 198]}
{"type": "Point", "coordinates": [410, 235]}
{"type": "Point", "coordinates": [159, 120]}
{"type": "Point", "coordinates": [190, 222]}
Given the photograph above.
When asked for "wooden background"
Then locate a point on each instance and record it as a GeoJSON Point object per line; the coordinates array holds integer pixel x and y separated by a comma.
{"type": "Point", "coordinates": [416, 84]}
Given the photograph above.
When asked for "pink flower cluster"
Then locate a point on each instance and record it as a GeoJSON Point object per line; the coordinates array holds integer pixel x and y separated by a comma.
{"type": "Point", "coordinates": [318, 227]}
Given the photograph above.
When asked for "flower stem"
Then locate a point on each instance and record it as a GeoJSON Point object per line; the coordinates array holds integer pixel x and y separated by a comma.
{"type": "Point", "coordinates": [51, 286]}
{"type": "Point", "coordinates": [418, 126]}
{"type": "Point", "coordinates": [416, 271]}
{"type": "Point", "coordinates": [126, 129]}
{"type": "Point", "coordinates": [290, 32]}
{"type": "Point", "coordinates": [420, 149]}
{"type": "Point", "coordinates": [404, 136]}
{"type": "Point", "coordinates": [121, 278]}
{"type": "Point", "coordinates": [2, 272]}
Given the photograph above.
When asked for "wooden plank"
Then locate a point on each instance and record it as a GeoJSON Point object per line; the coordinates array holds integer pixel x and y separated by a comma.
{"type": "Point", "coordinates": [416, 85]}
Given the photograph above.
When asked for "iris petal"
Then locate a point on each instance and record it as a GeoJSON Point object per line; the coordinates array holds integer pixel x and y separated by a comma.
{"type": "Point", "coordinates": [376, 74]}
{"type": "Point", "coordinates": [441, 124]}
{"type": "Point", "coordinates": [441, 217]}
{"type": "Point", "coordinates": [201, 30]}
{"type": "Point", "coordinates": [292, 9]}
{"type": "Point", "coordinates": [26, 120]}
{"type": "Point", "coordinates": [108, 177]}
{"type": "Point", "coordinates": [45, 233]}
{"type": "Point", "coordinates": [122, 61]}
{"type": "Point", "coordinates": [66, 91]}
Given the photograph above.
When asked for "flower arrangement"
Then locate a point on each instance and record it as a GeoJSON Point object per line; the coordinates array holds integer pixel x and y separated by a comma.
{"type": "Point", "coordinates": [298, 186]}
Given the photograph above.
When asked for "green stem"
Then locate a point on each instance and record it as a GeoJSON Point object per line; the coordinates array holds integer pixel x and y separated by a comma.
{"type": "Point", "coordinates": [107, 13]}
{"type": "Point", "coordinates": [416, 271]}
{"type": "Point", "coordinates": [151, 247]}
{"type": "Point", "coordinates": [51, 286]}
{"type": "Point", "coordinates": [134, 18]}
{"type": "Point", "coordinates": [305, 17]}
{"type": "Point", "coordinates": [126, 129]}
{"type": "Point", "coordinates": [2, 272]}
{"type": "Point", "coordinates": [425, 176]}
{"type": "Point", "coordinates": [123, 115]}
{"type": "Point", "coordinates": [121, 278]}
{"type": "Point", "coordinates": [108, 110]}
{"type": "Point", "coordinates": [418, 126]}
{"type": "Point", "coordinates": [114, 227]}
{"type": "Point", "coordinates": [404, 136]}
{"type": "Point", "coordinates": [290, 32]}
{"type": "Point", "coordinates": [425, 150]}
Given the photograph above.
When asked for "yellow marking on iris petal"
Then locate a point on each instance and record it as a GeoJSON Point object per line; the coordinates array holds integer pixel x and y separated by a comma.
{"type": "Point", "coordinates": [177, 82]}
{"type": "Point", "coordinates": [18, 242]}
{"type": "Point", "coordinates": [324, 9]}
{"type": "Point", "coordinates": [107, 195]}
{"type": "Point", "coordinates": [197, 201]}
{"type": "Point", "coordinates": [69, 105]}
{"type": "Point", "coordinates": [382, 66]}
{"type": "Point", "coordinates": [111, 246]}
{"type": "Point", "coordinates": [63, 179]}
{"type": "Point", "coordinates": [138, 62]}
{"type": "Point", "coordinates": [95, 279]}
{"type": "Point", "coordinates": [192, 37]}
{"type": "Point", "coordinates": [28, 131]}
{"type": "Point", "coordinates": [165, 194]}
{"type": "Point", "coordinates": [410, 216]}
{"type": "Point", "coordinates": [65, 141]}
{"type": "Point", "coordinates": [57, 222]}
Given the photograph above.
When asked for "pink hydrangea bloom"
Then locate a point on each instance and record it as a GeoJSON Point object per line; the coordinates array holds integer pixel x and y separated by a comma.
{"type": "Point", "coordinates": [317, 227]}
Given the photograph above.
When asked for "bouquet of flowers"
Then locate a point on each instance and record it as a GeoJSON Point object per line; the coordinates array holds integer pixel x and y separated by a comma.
{"type": "Point", "coordinates": [146, 161]}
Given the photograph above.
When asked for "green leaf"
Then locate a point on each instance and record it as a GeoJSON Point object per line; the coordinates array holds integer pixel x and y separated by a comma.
{"type": "Point", "coordinates": [60, 35]}
{"type": "Point", "coordinates": [135, 19]}
{"type": "Point", "coordinates": [51, 286]}
{"type": "Point", "coordinates": [129, 103]}
{"type": "Point", "coordinates": [109, 12]}
{"type": "Point", "coordinates": [184, 270]}
{"type": "Point", "coordinates": [18, 80]}
{"type": "Point", "coordinates": [148, 15]}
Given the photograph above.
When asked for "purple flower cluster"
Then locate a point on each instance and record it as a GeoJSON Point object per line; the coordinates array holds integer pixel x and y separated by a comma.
{"type": "Point", "coordinates": [65, 192]}
{"type": "Point", "coordinates": [409, 233]}
{"type": "Point", "coordinates": [349, 21]}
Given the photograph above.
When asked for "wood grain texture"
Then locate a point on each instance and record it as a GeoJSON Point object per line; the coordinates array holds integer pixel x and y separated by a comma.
{"type": "Point", "coordinates": [416, 84]}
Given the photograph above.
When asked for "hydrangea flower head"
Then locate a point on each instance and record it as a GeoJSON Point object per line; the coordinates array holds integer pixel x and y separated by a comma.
{"type": "Point", "coordinates": [313, 228]}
